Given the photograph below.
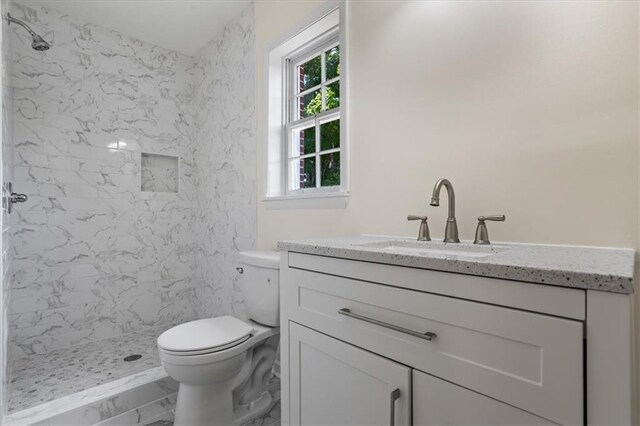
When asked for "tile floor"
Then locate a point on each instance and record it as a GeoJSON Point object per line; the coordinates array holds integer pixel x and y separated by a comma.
{"type": "Point", "coordinates": [37, 379]}
{"type": "Point", "coordinates": [42, 378]}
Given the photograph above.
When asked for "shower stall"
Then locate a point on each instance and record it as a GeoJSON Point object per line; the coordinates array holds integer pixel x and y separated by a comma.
{"type": "Point", "coordinates": [136, 168]}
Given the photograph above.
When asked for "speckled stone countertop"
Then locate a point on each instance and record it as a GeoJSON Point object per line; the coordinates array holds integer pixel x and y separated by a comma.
{"type": "Point", "coordinates": [592, 268]}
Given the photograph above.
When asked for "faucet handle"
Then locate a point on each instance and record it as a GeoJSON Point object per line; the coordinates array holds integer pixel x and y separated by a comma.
{"type": "Point", "coordinates": [494, 217]}
{"type": "Point", "coordinates": [423, 232]}
{"type": "Point", "coordinates": [482, 234]}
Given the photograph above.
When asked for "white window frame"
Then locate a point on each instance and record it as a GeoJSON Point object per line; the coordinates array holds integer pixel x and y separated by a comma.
{"type": "Point", "coordinates": [324, 29]}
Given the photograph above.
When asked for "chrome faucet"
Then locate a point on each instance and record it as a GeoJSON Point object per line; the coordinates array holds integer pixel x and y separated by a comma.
{"type": "Point", "coordinates": [451, 230]}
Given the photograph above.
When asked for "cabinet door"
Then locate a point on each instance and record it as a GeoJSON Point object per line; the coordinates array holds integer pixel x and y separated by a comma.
{"type": "Point", "coordinates": [437, 402]}
{"type": "Point", "coordinates": [334, 383]}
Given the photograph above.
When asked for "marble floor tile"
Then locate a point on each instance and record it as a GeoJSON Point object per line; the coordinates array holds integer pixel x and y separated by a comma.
{"type": "Point", "coordinates": [37, 379]}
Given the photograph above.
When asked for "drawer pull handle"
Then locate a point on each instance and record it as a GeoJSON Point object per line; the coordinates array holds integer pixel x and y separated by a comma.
{"type": "Point", "coordinates": [395, 395]}
{"type": "Point", "coordinates": [426, 336]}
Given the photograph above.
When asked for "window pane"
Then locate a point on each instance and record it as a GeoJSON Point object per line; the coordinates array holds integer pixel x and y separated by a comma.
{"type": "Point", "coordinates": [330, 169]}
{"type": "Point", "coordinates": [309, 74]}
{"type": "Point", "coordinates": [303, 142]}
{"type": "Point", "coordinates": [330, 135]}
{"type": "Point", "coordinates": [332, 95]}
{"type": "Point", "coordinates": [310, 104]}
{"type": "Point", "coordinates": [303, 173]}
{"type": "Point", "coordinates": [332, 62]}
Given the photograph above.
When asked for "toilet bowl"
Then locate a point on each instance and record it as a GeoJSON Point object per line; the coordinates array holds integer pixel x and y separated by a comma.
{"type": "Point", "coordinates": [224, 364]}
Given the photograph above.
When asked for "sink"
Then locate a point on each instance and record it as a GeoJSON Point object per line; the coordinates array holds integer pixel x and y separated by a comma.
{"type": "Point", "coordinates": [435, 249]}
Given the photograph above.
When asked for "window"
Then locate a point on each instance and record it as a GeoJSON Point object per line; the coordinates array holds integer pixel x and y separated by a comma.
{"type": "Point", "coordinates": [313, 130]}
{"type": "Point", "coordinates": [306, 146]}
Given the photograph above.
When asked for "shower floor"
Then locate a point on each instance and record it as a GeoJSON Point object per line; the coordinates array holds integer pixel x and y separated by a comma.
{"type": "Point", "coordinates": [37, 379]}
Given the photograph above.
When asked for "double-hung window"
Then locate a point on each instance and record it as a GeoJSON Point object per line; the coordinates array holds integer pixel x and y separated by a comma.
{"type": "Point", "coordinates": [306, 147]}
{"type": "Point", "coordinates": [313, 127]}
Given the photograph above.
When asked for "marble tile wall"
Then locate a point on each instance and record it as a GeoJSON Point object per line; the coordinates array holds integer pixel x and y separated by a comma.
{"type": "Point", "coordinates": [93, 255]}
{"type": "Point", "coordinates": [225, 163]}
{"type": "Point", "coordinates": [6, 172]}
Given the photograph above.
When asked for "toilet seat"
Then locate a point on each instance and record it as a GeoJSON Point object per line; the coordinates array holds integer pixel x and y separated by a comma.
{"type": "Point", "coordinates": [207, 350]}
{"type": "Point", "coordinates": [259, 333]}
{"type": "Point", "coordinates": [204, 336]}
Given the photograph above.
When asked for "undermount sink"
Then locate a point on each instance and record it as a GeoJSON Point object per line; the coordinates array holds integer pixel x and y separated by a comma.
{"type": "Point", "coordinates": [435, 249]}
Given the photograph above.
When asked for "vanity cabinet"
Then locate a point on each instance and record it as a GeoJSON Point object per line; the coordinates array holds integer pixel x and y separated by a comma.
{"type": "Point", "coordinates": [340, 384]}
{"type": "Point", "coordinates": [456, 349]}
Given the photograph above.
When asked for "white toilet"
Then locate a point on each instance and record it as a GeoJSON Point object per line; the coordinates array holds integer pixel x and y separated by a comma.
{"type": "Point", "coordinates": [224, 364]}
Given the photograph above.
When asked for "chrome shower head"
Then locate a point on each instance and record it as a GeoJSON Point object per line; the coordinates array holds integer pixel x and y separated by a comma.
{"type": "Point", "coordinates": [37, 42]}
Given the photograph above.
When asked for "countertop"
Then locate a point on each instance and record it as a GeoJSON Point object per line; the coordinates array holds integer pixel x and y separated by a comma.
{"type": "Point", "coordinates": [590, 268]}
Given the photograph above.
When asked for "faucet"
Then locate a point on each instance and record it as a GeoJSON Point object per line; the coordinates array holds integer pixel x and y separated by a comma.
{"type": "Point", "coordinates": [423, 233]}
{"type": "Point", "coordinates": [451, 230]}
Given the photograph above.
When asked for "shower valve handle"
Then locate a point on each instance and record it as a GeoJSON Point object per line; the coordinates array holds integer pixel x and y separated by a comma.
{"type": "Point", "coordinates": [18, 198]}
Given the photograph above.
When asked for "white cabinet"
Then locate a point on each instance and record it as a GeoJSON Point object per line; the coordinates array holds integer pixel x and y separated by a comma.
{"type": "Point", "coordinates": [525, 359]}
{"type": "Point", "coordinates": [502, 353]}
{"type": "Point", "coordinates": [339, 384]}
{"type": "Point", "coordinates": [438, 403]}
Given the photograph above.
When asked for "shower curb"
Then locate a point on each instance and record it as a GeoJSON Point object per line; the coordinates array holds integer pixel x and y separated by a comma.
{"type": "Point", "coordinates": [99, 403]}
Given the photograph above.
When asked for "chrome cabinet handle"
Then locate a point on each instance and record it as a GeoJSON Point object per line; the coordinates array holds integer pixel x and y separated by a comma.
{"type": "Point", "coordinates": [395, 395]}
{"type": "Point", "coordinates": [426, 335]}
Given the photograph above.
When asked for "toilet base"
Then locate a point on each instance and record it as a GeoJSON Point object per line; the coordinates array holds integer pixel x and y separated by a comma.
{"type": "Point", "coordinates": [205, 405]}
{"type": "Point", "coordinates": [257, 408]}
{"type": "Point", "coordinates": [212, 406]}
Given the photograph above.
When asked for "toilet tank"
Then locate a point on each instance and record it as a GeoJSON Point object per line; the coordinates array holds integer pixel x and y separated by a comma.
{"type": "Point", "coordinates": [260, 285]}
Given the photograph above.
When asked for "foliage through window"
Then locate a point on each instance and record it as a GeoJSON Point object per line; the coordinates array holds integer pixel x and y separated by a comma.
{"type": "Point", "coordinates": [313, 125]}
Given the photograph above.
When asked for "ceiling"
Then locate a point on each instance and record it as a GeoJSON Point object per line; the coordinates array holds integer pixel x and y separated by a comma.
{"type": "Point", "coordinates": [181, 25]}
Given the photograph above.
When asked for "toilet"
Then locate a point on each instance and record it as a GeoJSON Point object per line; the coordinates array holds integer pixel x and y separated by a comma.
{"type": "Point", "coordinates": [224, 364]}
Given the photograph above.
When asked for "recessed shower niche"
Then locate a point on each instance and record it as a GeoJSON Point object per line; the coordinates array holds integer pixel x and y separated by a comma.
{"type": "Point", "coordinates": [160, 173]}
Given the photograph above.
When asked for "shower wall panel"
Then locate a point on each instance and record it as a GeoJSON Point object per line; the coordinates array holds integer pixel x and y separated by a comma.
{"type": "Point", "coordinates": [225, 159]}
{"type": "Point", "coordinates": [93, 256]}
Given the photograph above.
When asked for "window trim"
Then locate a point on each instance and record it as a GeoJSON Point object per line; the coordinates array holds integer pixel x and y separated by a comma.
{"type": "Point", "coordinates": [325, 26]}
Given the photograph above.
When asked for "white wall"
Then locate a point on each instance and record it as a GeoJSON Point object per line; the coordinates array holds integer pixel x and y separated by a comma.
{"type": "Point", "coordinates": [529, 108]}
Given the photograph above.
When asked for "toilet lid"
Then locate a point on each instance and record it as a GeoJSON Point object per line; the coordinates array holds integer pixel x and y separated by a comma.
{"type": "Point", "coordinates": [204, 334]}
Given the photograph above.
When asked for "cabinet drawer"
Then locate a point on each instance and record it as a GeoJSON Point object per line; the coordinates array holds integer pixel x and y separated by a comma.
{"type": "Point", "coordinates": [527, 360]}
{"type": "Point", "coordinates": [436, 403]}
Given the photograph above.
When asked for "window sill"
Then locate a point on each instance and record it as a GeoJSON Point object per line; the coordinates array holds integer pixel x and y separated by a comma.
{"type": "Point", "coordinates": [330, 200]}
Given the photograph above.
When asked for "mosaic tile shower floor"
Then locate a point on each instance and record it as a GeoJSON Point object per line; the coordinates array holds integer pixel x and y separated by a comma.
{"type": "Point", "coordinates": [37, 379]}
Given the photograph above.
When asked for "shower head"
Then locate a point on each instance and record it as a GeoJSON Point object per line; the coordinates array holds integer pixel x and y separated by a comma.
{"type": "Point", "coordinates": [37, 42]}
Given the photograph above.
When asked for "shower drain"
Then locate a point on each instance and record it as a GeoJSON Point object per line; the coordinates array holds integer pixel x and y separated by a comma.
{"type": "Point", "coordinates": [132, 357]}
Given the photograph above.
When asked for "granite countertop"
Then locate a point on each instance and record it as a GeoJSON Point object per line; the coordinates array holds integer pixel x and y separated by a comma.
{"type": "Point", "coordinates": [591, 268]}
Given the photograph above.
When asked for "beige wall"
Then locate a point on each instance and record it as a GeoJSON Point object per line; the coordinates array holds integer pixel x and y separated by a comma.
{"type": "Point", "coordinates": [529, 108]}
